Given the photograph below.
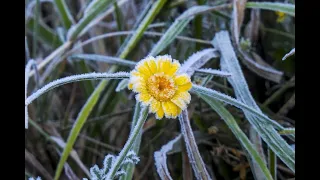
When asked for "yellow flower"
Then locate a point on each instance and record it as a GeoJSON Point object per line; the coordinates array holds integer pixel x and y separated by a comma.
{"type": "Point", "coordinates": [281, 16]}
{"type": "Point", "coordinates": [157, 84]}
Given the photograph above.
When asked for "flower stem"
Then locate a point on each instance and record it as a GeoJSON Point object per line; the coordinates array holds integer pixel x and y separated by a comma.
{"type": "Point", "coordinates": [115, 167]}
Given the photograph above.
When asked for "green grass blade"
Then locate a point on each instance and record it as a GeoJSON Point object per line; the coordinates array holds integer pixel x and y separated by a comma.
{"type": "Point", "coordinates": [272, 163]}
{"type": "Point", "coordinates": [239, 134]}
{"type": "Point", "coordinates": [273, 6]}
{"type": "Point", "coordinates": [136, 131]}
{"type": "Point", "coordinates": [129, 168]}
{"type": "Point", "coordinates": [64, 13]}
{"type": "Point", "coordinates": [198, 166]}
{"type": "Point", "coordinates": [81, 119]}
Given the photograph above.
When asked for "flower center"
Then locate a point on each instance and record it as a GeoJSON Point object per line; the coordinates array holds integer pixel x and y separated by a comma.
{"type": "Point", "coordinates": [161, 87]}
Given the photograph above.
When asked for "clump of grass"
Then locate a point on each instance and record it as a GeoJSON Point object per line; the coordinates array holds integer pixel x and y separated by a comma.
{"type": "Point", "coordinates": [81, 69]}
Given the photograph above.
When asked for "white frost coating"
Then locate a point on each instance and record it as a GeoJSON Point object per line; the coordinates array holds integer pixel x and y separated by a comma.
{"type": "Point", "coordinates": [74, 78]}
{"type": "Point", "coordinates": [195, 159]}
{"type": "Point", "coordinates": [120, 173]}
{"type": "Point", "coordinates": [197, 60]}
{"type": "Point", "coordinates": [107, 163]}
{"type": "Point", "coordinates": [230, 100]}
{"type": "Point", "coordinates": [213, 72]}
{"type": "Point", "coordinates": [26, 81]}
{"type": "Point", "coordinates": [289, 54]}
{"type": "Point", "coordinates": [38, 178]}
{"type": "Point", "coordinates": [160, 158]}
{"type": "Point", "coordinates": [230, 63]}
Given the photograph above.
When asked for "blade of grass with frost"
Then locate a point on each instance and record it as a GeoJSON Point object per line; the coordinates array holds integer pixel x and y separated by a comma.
{"type": "Point", "coordinates": [273, 6]}
{"type": "Point", "coordinates": [37, 15]}
{"type": "Point", "coordinates": [160, 158]}
{"type": "Point", "coordinates": [230, 63]}
{"type": "Point", "coordinates": [129, 168]}
{"type": "Point", "coordinates": [195, 159]}
{"type": "Point", "coordinates": [262, 69]}
{"type": "Point", "coordinates": [229, 100]}
{"type": "Point", "coordinates": [214, 72]}
{"type": "Point", "coordinates": [91, 102]}
{"type": "Point", "coordinates": [91, 12]}
{"type": "Point", "coordinates": [106, 59]}
{"type": "Point", "coordinates": [26, 82]}
{"type": "Point", "coordinates": [238, 133]}
{"type": "Point", "coordinates": [197, 60]}
{"type": "Point", "coordinates": [289, 54]}
{"type": "Point", "coordinates": [202, 9]}
{"type": "Point", "coordinates": [64, 13]}
{"type": "Point", "coordinates": [75, 78]}
{"type": "Point", "coordinates": [237, 20]}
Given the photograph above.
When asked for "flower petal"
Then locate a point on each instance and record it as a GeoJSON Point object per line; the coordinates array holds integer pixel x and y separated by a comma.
{"type": "Point", "coordinates": [182, 79]}
{"type": "Point", "coordinates": [160, 112]}
{"type": "Point", "coordinates": [185, 87]}
{"type": "Point", "coordinates": [170, 109]}
{"type": "Point", "coordinates": [144, 98]}
{"type": "Point", "coordinates": [164, 63]}
{"type": "Point", "coordinates": [155, 105]}
{"type": "Point", "coordinates": [173, 69]}
{"type": "Point", "coordinates": [181, 99]}
{"type": "Point", "coordinates": [143, 68]}
{"type": "Point", "coordinates": [152, 66]}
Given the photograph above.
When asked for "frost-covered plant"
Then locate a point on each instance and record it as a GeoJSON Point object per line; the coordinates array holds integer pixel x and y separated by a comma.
{"type": "Point", "coordinates": [108, 162]}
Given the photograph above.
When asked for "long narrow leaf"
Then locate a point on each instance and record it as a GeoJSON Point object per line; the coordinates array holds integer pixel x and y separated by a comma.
{"type": "Point", "coordinates": [160, 158]}
{"type": "Point", "coordinates": [274, 6]}
{"type": "Point", "coordinates": [267, 132]}
{"type": "Point", "coordinates": [64, 13]}
{"type": "Point", "coordinates": [197, 163]}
